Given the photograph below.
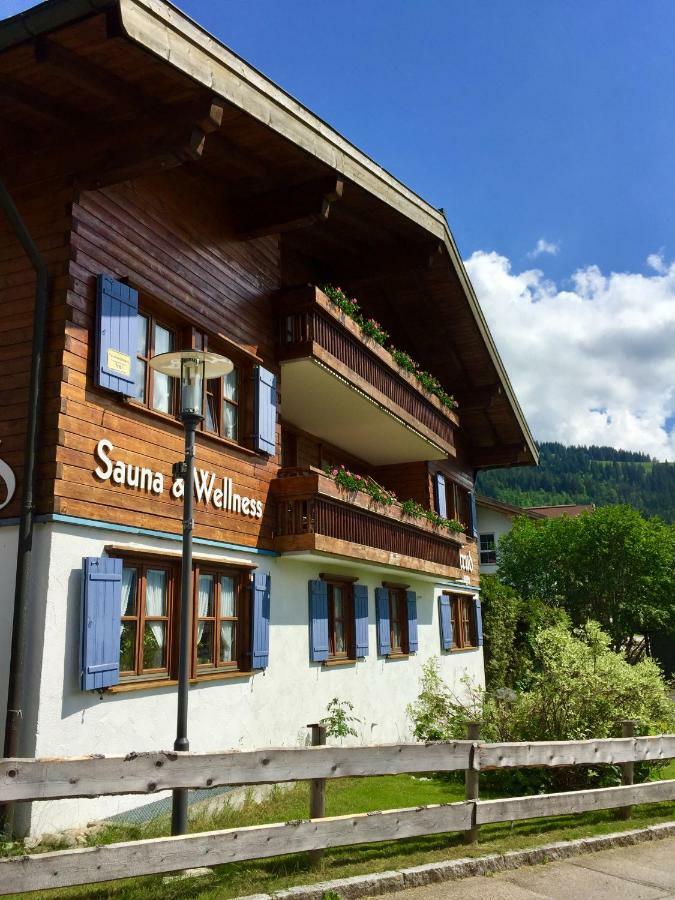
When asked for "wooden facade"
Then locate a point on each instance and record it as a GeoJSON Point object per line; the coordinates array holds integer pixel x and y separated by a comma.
{"type": "Point", "coordinates": [123, 161]}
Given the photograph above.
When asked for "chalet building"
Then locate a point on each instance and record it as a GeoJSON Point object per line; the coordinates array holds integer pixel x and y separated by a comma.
{"type": "Point", "coordinates": [171, 197]}
{"type": "Point", "coordinates": [495, 519]}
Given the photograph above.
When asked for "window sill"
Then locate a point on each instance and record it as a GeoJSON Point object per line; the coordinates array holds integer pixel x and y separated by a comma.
{"type": "Point", "coordinates": [398, 656]}
{"type": "Point", "coordinates": [462, 649]}
{"type": "Point", "coordinates": [332, 663]}
{"type": "Point", "coordinates": [127, 687]}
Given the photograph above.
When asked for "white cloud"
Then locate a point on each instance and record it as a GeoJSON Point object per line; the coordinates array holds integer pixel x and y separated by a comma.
{"type": "Point", "coordinates": [656, 262]}
{"type": "Point", "coordinates": [550, 247]}
{"type": "Point", "coordinates": [594, 364]}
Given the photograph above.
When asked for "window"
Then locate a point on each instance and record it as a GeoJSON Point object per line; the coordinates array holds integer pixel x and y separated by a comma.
{"type": "Point", "coordinates": [464, 632]}
{"type": "Point", "coordinates": [457, 501]}
{"type": "Point", "coordinates": [150, 612]}
{"type": "Point", "coordinates": [340, 620]}
{"type": "Point", "coordinates": [146, 608]}
{"type": "Point", "coordinates": [217, 620]}
{"type": "Point", "coordinates": [221, 406]}
{"type": "Point", "coordinates": [153, 389]}
{"type": "Point", "coordinates": [488, 549]}
{"type": "Point", "coordinates": [398, 620]}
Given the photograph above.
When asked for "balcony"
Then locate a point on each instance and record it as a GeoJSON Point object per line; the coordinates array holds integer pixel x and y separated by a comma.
{"type": "Point", "coordinates": [345, 388]}
{"type": "Point", "coordinates": [314, 515]}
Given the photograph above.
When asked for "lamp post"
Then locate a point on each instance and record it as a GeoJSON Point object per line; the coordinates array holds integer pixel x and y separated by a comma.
{"type": "Point", "coordinates": [193, 368]}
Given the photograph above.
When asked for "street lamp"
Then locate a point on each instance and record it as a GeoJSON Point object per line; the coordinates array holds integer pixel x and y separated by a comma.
{"type": "Point", "coordinates": [192, 367]}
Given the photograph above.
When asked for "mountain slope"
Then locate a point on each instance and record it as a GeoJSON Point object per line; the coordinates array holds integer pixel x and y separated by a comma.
{"type": "Point", "coordinates": [600, 475]}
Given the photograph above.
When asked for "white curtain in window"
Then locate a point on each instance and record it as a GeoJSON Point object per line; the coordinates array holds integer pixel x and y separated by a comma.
{"type": "Point", "coordinates": [161, 385]}
{"type": "Point", "coordinates": [226, 596]}
{"type": "Point", "coordinates": [128, 605]}
{"type": "Point", "coordinates": [204, 601]}
{"type": "Point", "coordinates": [229, 420]}
{"type": "Point", "coordinates": [230, 385]}
{"type": "Point", "coordinates": [156, 603]}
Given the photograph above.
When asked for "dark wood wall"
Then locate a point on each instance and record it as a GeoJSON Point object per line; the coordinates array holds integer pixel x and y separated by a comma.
{"type": "Point", "coordinates": [45, 209]}
{"type": "Point", "coordinates": [166, 237]}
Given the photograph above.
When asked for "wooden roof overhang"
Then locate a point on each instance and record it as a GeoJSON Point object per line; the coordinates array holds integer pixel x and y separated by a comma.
{"type": "Point", "coordinates": [105, 90]}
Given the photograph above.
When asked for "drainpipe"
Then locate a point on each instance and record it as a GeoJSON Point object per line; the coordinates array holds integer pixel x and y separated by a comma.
{"type": "Point", "coordinates": [15, 698]}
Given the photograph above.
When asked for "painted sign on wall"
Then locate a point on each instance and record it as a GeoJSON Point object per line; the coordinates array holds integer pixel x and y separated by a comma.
{"type": "Point", "coordinates": [9, 479]}
{"type": "Point", "coordinates": [465, 562]}
{"type": "Point", "coordinates": [210, 489]}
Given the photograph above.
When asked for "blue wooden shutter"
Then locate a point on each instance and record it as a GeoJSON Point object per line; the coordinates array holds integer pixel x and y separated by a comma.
{"type": "Point", "coordinates": [445, 612]}
{"type": "Point", "coordinates": [116, 338]}
{"type": "Point", "coordinates": [261, 620]}
{"type": "Point", "coordinates": [479, 621]}
{"type": "Point", "coordinates": [101, 611]}
{"type": "Point", "coordinates": [474, 514]}
{"type": "Point", "coordinates": [318, 620]}
{"type": "Point", "coordinates": [411, 597]}
{"type": "Point", "coordinates": [265, 425]}
{"type": "Point", "coordinates": [439, 491]}
{"type": "Point", "coordinates": [361, 619]}
{"type": "Point", "coordinates": [383, 627]}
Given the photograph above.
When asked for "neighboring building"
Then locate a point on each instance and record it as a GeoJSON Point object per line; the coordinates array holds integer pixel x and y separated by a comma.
{"type": "Point", "coordinates": [496, 518]}
{"type": "Point", "coordinates": [181, 200]}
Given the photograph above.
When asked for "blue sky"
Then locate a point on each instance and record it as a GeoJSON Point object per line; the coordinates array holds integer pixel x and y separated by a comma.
{"type": "Point", "coordinates": [532, 124]}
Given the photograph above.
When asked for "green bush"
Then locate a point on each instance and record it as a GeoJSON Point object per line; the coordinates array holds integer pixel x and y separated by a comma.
{"type": "Point", "coordinates": [510, 626]}
{"type": "Point", "coordinates": [579, 689]}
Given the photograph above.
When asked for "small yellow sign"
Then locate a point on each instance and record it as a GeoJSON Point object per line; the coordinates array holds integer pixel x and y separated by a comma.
{"type": "Point", "coordinates": [119, 362]}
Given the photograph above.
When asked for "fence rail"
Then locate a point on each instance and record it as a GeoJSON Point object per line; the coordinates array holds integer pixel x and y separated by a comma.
{"type": "Point", "coordinates": [146, 773]}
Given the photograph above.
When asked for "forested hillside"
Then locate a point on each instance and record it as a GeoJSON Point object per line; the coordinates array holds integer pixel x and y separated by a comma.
{"type": "Point", "coordinates": [600, 475]}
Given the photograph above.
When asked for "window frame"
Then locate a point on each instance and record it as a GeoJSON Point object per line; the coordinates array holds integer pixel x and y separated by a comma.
{"type": "Point", "coordinates": [491, 551]}
{"type": "Point", "coordinates": [457, 501]}
{"type": "Point", "coordinates": [241, 665]}
{"type": "Point", "coordinates": [347, 618]}
{"type": "Point", "coordinates": [142, 565]}
{"type": "Point", "coordinates": [200, 341]}
{"type": "Point", "coordinates": [242, 619]}
{"type": "Point", "coordinates": [398, 599]}
{"type": "Point", "coordinates": [152, 321]}
{"type": "Point", "coordinates": [463, 618]}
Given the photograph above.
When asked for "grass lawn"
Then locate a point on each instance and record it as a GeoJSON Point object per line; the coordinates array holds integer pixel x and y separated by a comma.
{"type": "Point", "coordinates": [349, 795]}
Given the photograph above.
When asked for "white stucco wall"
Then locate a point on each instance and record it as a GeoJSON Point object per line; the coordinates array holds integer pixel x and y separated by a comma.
{"type": "Point", "coordinates": [490, 520]}
{"type": "Point", "coordinates": [269, 708]}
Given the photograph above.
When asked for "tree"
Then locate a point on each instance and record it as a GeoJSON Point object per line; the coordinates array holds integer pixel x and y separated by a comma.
{"type": "Point", "coordinates": [610, 565]}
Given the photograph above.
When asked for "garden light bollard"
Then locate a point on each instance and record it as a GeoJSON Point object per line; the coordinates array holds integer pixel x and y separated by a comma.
{"type": "Point", "coordinates": [628, 768]}
{"type": "Point", "coordinates": [317, 791]}
{"type": "Point", "coordinates": [471, 782]}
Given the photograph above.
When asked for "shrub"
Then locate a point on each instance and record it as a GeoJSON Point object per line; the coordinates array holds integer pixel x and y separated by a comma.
{"type": "Point", "coordinates": [338, 719]}
{"type": "Point", "coordinates": [510, 626]}
{"type": "Point", "coordinates": [579, 689]}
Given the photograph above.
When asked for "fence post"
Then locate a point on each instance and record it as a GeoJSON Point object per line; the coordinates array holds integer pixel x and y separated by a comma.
{"type": "Point", "coordinates": [627, 769]}
{"type": "Point", "coordinates": [471, 782]}
{"type": "Point", "coordinates": [317, 792]}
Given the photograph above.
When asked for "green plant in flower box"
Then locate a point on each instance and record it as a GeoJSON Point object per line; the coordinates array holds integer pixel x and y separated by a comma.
{"type": "Point", "coordinates": [372, 329]}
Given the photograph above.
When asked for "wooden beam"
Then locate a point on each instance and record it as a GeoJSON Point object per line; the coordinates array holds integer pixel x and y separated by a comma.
{"type": "Point", "coordinates": [88, 76]}
{"type": "Point", "coordinates": [168, 854]}
{"type": "Point", "coordinates": [606, 751]}
{"type": "Point", "coordinates": [572, 802]}
{"type": "Point", "coordinates": [97, 156]}
{"type": "Point", "coordinates": [146, 773]}
{"type": "Point", "coordinates": [480, 398]}
{"type": "Point", "coordinates": [287, 209]}
{"type": "Point", "coordinates": [51, 109]}
{"type": "Point", "coordinates": [502, 455]}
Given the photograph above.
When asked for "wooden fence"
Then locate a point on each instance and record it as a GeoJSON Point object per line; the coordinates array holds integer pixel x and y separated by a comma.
{"type": "Point", "coordinates": [147, 773]}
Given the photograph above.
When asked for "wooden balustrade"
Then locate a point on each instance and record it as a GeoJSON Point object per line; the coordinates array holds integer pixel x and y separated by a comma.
{"type": "Point", "coordinates": [313, 513]}
{"type": "Point", "coordinates": [312, 324]}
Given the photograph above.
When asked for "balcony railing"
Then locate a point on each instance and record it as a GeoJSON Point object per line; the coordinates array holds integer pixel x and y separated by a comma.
{"type": "Point", "coordinates": [314, 514]}
{"type": "Point", "coordinates": [311, 325]}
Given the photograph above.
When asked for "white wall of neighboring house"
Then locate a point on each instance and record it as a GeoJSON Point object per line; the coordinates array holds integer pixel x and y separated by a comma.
{"type": "Point", "coordinates": [492, 521]}
{"type": "Point", "coordinates": [269, 708]}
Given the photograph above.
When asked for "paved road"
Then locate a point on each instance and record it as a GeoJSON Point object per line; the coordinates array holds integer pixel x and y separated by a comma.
{"type": "Point", "coordinates": [643, 872]}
